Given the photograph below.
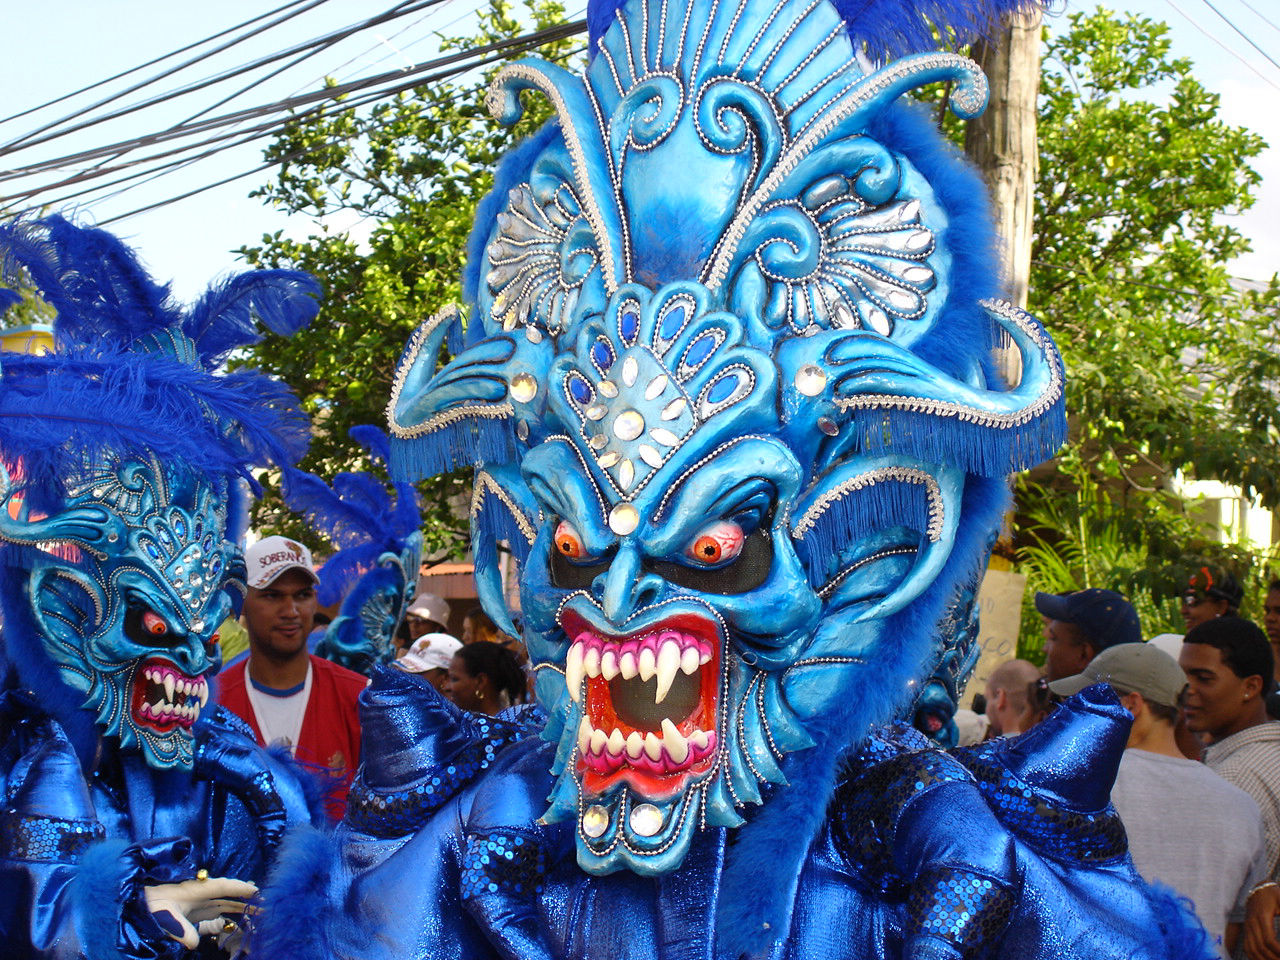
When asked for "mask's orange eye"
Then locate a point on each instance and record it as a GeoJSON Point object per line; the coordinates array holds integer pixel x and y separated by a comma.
{"type": "Point", "coordinates": [215, 638]}
{"type": "Point", "coordinates": [154, 625]}
{"type": "Point", "coordinates": [568, 542]}
{"type": "Point", "coordinates": [717, 543]}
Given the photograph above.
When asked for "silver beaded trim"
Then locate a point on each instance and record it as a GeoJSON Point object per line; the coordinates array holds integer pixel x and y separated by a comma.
{"type": "Point", "coordinates": [862, 481]}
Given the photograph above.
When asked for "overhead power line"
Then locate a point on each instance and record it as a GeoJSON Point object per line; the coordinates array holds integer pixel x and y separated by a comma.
{"type": "Point", "coordinates": [173, 53]}
{"type": "Point", "coordinates": [1244, 36]}
{"type": "Point", "coordinates": [1186, 16]}
{"type": "Point", "coordinates": [396, 79]}
{"type": "Point", "coordinates": [454, 65]}
{"type": "Point", "coordinates": [54, 131]}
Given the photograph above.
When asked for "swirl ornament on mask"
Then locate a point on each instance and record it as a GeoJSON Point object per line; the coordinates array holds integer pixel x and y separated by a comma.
{"type": "Point", "coordinates": [736, 422]}
{"type": "Point", "coordinates": [131, 625]}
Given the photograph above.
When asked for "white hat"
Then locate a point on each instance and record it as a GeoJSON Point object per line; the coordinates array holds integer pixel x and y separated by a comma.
{"type": "Point", "coordinates": [431, 651]}
{"type": "Point", "coordinates": [428, 606]}
{"type": "Point", "coordinates": [272, 556]}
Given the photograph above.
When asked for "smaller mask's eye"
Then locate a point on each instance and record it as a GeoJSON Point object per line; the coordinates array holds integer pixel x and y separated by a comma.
{"type": "Point", "coordinates": [215, 638]}
{"type": "Point", "coordinates": [568, 543]}
{"type": "Point", "coordinates": [153, 624]}
{"type": "Point", "coordinates": [718, 543]}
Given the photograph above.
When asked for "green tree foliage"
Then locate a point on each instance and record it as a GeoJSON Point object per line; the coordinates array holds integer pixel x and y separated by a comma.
{"type": "Point", "coordinates": [412, 169]}
{"type": "Point", "coordinates": [1172, 366]}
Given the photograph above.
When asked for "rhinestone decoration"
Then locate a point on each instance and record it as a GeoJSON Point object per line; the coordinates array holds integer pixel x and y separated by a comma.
{"type": "Point", "coordinates": [623, 519]}
{"type": "Point", "coordinates": [523, 387]}
{"type": "Point", "coordinates": [828, 426]}
{"type": "Point", "coordinates": [522, 430]}
{"type": "Point", "coordinates": [595, 821]}
{"type": "Point", "coordinates": [645, 819]}
{"type": "Point", "coordinates": [811, 380]}
{"type": "Point", "coordinates": [628, 425]}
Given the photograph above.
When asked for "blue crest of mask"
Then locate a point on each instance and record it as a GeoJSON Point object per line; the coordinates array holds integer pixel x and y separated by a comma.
{"type": "Point", "coordinates": [124, 461]}
{"type": "Point", "coordinates": [728, 389]}
{"type": "Point", "coordinates": [374, 572]}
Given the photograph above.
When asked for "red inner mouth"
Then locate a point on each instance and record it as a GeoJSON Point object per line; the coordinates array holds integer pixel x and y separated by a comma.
{"type": "Point", "coordinates": [627, 734]}
{"type": "Point", "coordinates": [159, 708]}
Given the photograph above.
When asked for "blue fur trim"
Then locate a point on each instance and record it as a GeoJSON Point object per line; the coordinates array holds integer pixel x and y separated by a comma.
{"type": "Point", "coordinates": [492, 520]}
{"type": "Point", "coordinates": [894, 27]}
{"type": "Point", "coordinates": [762, 866]}
{"type": "Point", "coordinates": [105, 872]}
{"type": "Point", "coordinates": [25, 652]}
{"type": "Point", "coordinates": [1183, 935]}
{"type": "Point", "coordinates": [294, 899]}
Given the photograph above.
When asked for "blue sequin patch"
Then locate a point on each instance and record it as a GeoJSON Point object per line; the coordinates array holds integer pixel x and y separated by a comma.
{"type": "Point", "coordinates": [502, 863]}
{"type": "Point", "coordinates": [46, 839]}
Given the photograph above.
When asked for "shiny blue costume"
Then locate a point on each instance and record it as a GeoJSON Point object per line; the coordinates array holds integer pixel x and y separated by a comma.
{"type": "Point", "coordinates": [123, 467]}
{"type": "Point", "coordinates": [727, 387]}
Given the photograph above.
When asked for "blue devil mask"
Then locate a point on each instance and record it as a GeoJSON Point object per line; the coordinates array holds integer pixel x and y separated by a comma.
{"type": "Point", "coordinates": [124, 465]}
{"type": "Point", "coordinates": [728, 386]}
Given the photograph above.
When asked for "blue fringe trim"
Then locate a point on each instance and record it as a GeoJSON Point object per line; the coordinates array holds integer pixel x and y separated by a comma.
{"type": "Point", "coordinates": [879, 506]}
{"type": "Point", "coordinates": [465, 443]}
{"type": "Point", "coordinates": [492, 520]}
{"type": "Point", "coordinates": [974, 447]}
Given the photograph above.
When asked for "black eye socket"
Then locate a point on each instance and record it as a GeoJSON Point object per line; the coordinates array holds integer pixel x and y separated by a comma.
{"type": "Point", "coordinates": [148, 629]}
{"type": "Point", "coordinates": [568, 575]}
{"type": "Point", "coordinates": [743, 573]}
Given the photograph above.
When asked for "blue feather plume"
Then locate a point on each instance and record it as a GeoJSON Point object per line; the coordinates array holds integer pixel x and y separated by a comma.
{"type": "Point", "coordinates": [888, 27]}
{"type": "Point", "coordinates": [228, 314]}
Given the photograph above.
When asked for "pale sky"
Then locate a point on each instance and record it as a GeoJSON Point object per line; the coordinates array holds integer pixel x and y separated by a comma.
{"type": "Point", "coordinates": [191, 241]}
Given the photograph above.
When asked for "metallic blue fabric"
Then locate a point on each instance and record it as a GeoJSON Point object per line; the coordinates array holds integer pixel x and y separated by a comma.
{"type": "Point", "coordinates": [978, 853]}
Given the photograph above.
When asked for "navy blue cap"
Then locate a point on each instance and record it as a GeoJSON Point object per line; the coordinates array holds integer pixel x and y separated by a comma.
{"type": "Point", "coordinates": [1105, 617]}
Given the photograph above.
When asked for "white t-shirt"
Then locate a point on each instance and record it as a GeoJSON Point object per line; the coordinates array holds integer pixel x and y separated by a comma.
{"type": "Point", "coordinates": [1192, 830]}
{"type": "Point", "coordinates": [279, 718]}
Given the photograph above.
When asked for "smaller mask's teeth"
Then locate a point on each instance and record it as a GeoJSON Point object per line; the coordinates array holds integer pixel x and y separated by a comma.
{"type": "Point", "coordinates": [591, 662]}
{"type": "Point", "coordinates": [653, 746]}
{"type": "Point", "coordinates": [690, 661]}
{"type": "Point", "coordinates": [204, 692]}
{"type": "Point", "coordinates": [584, 735]}
{"type": "Point", "coordinates": [699, 739]}
{"type": "Point", "coordinates": [168, 687]}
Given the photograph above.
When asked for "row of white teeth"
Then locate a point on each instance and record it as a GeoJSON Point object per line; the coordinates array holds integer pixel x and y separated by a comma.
{"type": "Point", "coordinates": [173, 684]}
{"type": "Point", "coordinates": [592, 739]}
{"type": "Point", "coordinates": [162, 710]}
{"type": "Point", "coordinates": [669, 660]}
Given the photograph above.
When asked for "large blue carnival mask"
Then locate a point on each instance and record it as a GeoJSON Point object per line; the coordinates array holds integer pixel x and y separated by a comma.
{"type": "Point", "coordinates": [728, 389]}
{"type": "Point", "coordinates": [127, 585]}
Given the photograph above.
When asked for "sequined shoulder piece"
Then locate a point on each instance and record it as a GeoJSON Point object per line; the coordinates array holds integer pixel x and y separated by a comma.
{"type": "Point", "coordinates": [419, 752]}
{"type": "Point", "coordinates": [1041, 821]}
{"type": "Point", "coordinates": [867, 804]}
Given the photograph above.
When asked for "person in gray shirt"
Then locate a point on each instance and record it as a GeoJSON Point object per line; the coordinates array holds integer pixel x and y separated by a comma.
{"type": "Point", "coordinates": [1188, 827]}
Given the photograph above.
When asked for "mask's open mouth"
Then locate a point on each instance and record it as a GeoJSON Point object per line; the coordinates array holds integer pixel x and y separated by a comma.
{"type": "Point", "coordinates": [165, 698]}
{"type": "Point", "coordinates": [650, 706]}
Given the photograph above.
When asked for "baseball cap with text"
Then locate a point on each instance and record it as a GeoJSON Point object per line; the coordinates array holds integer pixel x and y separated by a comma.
{"type": "Point", "coordinates": [267, 559]}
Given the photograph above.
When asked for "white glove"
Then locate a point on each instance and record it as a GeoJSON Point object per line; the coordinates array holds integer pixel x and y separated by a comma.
{"type": "Point", "coordinates": [191, 909]}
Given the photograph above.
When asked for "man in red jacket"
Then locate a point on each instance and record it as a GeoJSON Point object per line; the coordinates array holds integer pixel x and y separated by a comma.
{"type": "Point", "coordinates": [288, 696]}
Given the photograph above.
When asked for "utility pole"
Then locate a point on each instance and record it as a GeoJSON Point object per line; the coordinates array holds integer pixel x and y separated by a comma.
{"type": "Point", "coordinates": [1002, 142]}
